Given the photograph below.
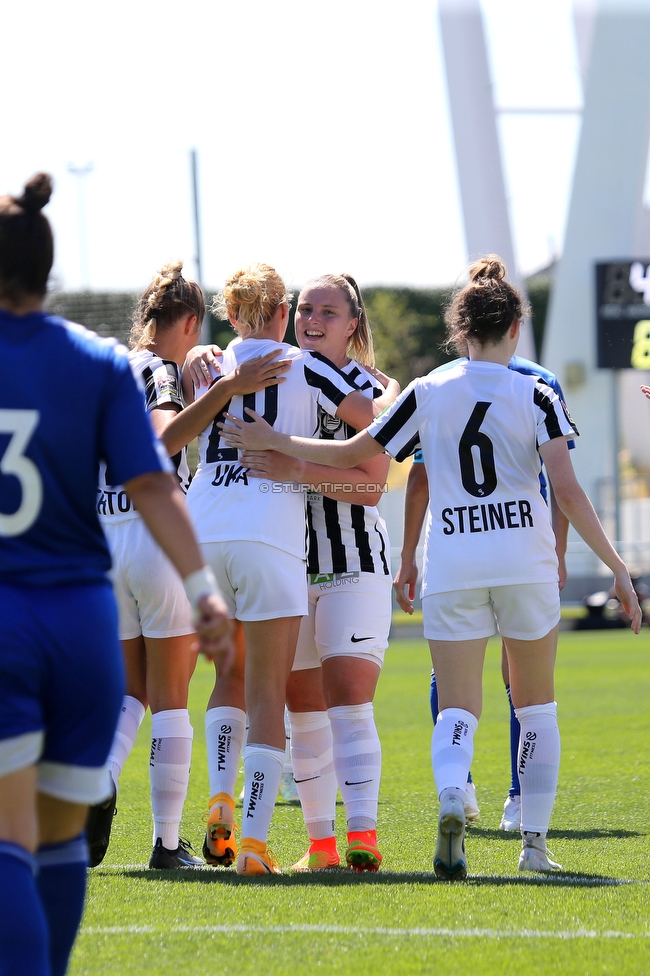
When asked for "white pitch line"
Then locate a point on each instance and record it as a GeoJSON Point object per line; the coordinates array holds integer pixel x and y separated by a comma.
{"type": "Point", "coordinates": [356, 931]}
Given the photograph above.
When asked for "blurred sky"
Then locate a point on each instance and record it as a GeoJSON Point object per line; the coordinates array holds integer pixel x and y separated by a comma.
{"type": "Point", "coordinates": [322, 131]}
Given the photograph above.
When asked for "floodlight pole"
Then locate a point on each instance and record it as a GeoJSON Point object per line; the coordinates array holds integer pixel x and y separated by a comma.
{"type": "Point", "coordinates": [80, 172]}
{"type": "Point", "coordinates": [205, 329]}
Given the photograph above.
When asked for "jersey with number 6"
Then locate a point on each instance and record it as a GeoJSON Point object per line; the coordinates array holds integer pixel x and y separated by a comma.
{"type": "Point", "coordinates": [479, 426]}
{"type": "Point", "coordinates": [84, 406]}
{"type": "Point", "coordinates": [227, 504]}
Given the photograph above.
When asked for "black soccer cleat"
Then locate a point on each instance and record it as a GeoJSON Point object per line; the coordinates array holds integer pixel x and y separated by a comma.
{"type": "Point", "coordinates": [98, 828]}
{"type": "Point", "coordinates": [182, 857]}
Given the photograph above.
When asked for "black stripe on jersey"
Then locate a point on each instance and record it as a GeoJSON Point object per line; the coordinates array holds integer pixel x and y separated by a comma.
{"type": "Point", "coordinates": [543, 401]}
{"type": "Point", "coordinates": [312, 544]}
{"type": "Point", "coordinates": [357, 516]}
{"type": "Point", "coordinates": [325, 385]}
{"type": "Point", "coordinates": [393, 426]}
{"type": "Point", "coordinates": [382, 552]}
{"type": "Point", "coordinates": [333, 530]}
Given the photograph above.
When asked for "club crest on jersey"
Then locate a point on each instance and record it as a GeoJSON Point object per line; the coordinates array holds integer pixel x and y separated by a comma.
{"type": "Point", "coordinates": [330, 425]}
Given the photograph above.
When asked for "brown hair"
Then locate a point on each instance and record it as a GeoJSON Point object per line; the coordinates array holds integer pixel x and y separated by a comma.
{"type": "Point", "coordinates": [485, 308]}
{"type": "Point", "coordinates": [250, 298]}
{"type": "Point", "coordinates": [26, 241]}
{"type": "Point", "coordinates": [360, 346]}
{"type": "Point", "coordinates": [168, 297]}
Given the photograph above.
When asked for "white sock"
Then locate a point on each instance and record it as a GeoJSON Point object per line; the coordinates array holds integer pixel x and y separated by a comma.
{"type": "Point", "coordinates": [538, 764]}
{"type": "Point", "coordinates": [169, 772]}
{"type": "Point", "coordinates": [452, 748]}
{"type": "Point", "coordinates": [313, 770]}
{"type": "Point", "coordinates": [225, 728]}
{"type": "Point", "coordinates": [126, 733]}
{"type": "Point", "coordinates": [357, 761]}
{"type": "Point", "coordinates": [262, 771]}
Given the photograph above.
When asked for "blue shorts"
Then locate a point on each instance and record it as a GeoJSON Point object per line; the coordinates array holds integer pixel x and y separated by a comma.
{"type": "Point", "coordinates": [61, 685]}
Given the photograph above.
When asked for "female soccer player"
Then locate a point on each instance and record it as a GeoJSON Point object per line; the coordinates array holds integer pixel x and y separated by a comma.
{"type": "Point", "coordinates": [253, 534]}
{"type": "Point", "coordinates": [155, 618]}
{"type": "Point", "coordinates": [61, 680]}
{"type": "Point", "coordinates": [490, 552]}
{"type": "Point", "coordinates": [345, 635]}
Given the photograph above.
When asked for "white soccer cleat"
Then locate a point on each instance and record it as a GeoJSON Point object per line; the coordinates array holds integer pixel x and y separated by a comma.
{"type": "Point", "coordinates": [472, 812]}
{"type": "Point", "coordinates": [535, 856]}
{"type": "Point", "coordinates": [511, 819]}
{"type": "Point", "coordinates": [449, 862]}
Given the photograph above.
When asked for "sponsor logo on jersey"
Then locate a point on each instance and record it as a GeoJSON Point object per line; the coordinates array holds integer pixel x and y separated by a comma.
{"type": "Point", "coordinates": [487, 517]}
{"type": "Point", "coordinates": [257, 791]}
{"type": "Point", "coordinates": [329, 581]}
{"type": "Point", "coordinates": [113, 502]}
{"type": "Point", "coordinates": [229, 474]}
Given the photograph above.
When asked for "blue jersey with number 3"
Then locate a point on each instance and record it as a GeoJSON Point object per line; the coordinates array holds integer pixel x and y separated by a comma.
{"type": "Point", "coordinates": [68, 400]}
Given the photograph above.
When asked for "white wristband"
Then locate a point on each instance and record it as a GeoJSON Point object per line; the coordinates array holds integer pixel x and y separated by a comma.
{"type": "Point", "coordinates": [198, 584]}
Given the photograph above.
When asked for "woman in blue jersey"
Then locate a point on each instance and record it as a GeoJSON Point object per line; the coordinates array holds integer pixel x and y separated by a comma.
{"type": "Point", "coordinates": [490, 557]}
{"type": "Point", "coordinates": [61, 678]}
{"type": "Point", "coordinates": [253, 533]}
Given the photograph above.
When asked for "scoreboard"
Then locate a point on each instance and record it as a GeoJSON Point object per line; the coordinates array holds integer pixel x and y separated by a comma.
{"type": "Point", "coordinates": [623, 314]}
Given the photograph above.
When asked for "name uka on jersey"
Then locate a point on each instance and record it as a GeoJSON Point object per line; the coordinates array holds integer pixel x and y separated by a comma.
{"type": "Point", "coordinates": [487, 517]}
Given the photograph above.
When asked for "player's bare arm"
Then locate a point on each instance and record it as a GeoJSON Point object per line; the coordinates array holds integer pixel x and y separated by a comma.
{"type": "Point", "coordinates": [249, 377]}
{"type": "Point", "coordinates": [258, 435]}
{"type": "Point", "coordinates": [580, 512]}
{"type": "Point", "coordinates": [416, 500]}
{"type": "Point", "coordinates": [361, 485]}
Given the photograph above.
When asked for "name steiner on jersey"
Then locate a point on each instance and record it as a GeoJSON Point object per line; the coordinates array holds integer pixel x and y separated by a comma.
{"type": "Point", "coordinates": [487, 517]}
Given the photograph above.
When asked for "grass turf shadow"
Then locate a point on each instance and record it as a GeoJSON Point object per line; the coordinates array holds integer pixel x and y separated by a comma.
{"type": "Point", "coordinates": [345, 878]}
{"type": "Point", "coordinates": [594, 834]}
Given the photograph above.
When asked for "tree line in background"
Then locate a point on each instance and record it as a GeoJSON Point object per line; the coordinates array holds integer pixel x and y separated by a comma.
{"type": "Point", "coordinates": [407, 323]}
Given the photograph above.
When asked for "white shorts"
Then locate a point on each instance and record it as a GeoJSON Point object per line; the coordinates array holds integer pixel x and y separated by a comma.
{"type": "Point", "coordinates": [525, 611]}
{"type": "Point", "coordinates": [150, 597]}
{"type": "Point", "coordinates": [258, 581]}
{"type": "Point", "coordinates": [76, 784]}
{"type": "Point", "coordinates": [349, 615]}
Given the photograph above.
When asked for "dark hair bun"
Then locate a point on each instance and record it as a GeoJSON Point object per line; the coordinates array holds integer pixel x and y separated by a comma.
{"type": "Point", "coordinates": [491, 266]}
{"type": "Point", "coordinates": [37, 193]}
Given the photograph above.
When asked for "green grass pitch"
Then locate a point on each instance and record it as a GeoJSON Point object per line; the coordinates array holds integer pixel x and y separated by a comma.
{"type": "Point", "coordinates": [593, 919]}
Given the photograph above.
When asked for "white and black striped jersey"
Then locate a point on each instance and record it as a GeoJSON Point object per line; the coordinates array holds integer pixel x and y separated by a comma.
{"type": "Point", "coordinates": [479, 426]}
{"type": "Point", "coordinates": [161, 380]}
{"type": "Point", "coordinates": [342, 537]}
{"type": "Point", "coordinates": [227, 505]}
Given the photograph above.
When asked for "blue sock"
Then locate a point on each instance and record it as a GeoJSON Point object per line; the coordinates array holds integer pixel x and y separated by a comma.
{"type": "Point", "coordinates": [433, 698]}
{"type": "Point", "coordinates": [23, 929]}
{"type": "Point", "coordinates": [62, 887]}
{"type": "Point", "coordinates": [515, 728]}
{"type": "Point", "coordinates": [433, 702]}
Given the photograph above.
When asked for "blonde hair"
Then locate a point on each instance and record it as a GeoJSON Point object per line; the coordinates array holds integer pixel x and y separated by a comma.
{"type": "Point", "coordinates": [360, 345]}
{"type": "Point", "coordinates": [250, 298]}
{"type": "Point", "coordinates": [485, 308]}
{"type": "Point", "coordinates": [168, 297]}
